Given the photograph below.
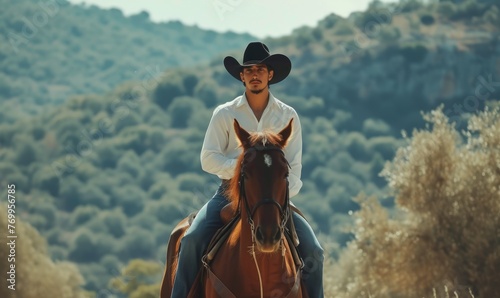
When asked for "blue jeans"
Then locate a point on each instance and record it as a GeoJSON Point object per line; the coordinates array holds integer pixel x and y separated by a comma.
{"type": "Point", "coordinates": [208, 221]}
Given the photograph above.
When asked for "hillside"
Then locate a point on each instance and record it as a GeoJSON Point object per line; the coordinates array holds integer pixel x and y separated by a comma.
{"type": "Point", "coordinates": [51, 51]}
{"type": "Point", "coordinates": [390, 62]}
{"type": "Point", "coordinates": [105, 177]}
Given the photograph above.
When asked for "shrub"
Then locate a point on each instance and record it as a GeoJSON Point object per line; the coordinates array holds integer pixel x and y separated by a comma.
{"type": "Point", "coordinates": [427, 19]}
{"type": "Point", "coordinates": [446, 233]}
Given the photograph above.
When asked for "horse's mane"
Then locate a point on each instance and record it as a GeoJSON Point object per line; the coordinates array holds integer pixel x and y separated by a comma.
{"type": "Point", "coordinates": [264, 138]}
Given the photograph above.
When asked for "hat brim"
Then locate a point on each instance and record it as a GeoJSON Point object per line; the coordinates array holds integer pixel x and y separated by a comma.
{"type": "Point", "coordinates": [279, 63]}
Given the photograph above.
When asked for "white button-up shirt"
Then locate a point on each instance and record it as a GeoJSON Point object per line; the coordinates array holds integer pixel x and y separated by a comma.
{"type": "Point", "coordinates": [221, 146]}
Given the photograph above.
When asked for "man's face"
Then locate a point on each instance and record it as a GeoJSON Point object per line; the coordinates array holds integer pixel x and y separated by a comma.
{"type": "Point", "coordinates": [256, 77]}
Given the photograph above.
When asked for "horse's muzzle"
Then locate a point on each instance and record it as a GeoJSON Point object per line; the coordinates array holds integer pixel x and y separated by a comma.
{"type": "Point", "coordinates": [268, 238]}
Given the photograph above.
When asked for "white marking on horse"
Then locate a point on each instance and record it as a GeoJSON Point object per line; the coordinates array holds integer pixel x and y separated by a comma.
{"type": "Point", "coordinates": [268, 160]}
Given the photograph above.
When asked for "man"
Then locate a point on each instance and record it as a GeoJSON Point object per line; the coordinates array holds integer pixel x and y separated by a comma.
{"type": "Point", "coordinates": [256, 110]}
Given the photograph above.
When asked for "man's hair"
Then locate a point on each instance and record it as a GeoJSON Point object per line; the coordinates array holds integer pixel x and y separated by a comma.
{"type": "Point", "coordinates": [269, 68]}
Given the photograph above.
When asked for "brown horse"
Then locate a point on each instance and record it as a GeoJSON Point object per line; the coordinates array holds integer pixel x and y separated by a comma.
{"type": "Point", "coordinates": [255, 260]}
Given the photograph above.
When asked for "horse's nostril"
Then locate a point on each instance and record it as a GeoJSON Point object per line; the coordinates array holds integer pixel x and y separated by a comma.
{"type": "Point", "coordinates": [277, 236]}
{"type": "Point", "coordinates": [259, 235]}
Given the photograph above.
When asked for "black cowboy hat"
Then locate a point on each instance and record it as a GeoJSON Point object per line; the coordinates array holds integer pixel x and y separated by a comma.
{"type": "Point", "coordinates": [258, 53]}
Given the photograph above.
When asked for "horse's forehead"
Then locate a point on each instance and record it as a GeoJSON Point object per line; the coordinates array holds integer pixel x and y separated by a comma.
{"type": "Point", "coordinates": [268, 160]}
{"type": "Point", "coordinates": [268, 156]}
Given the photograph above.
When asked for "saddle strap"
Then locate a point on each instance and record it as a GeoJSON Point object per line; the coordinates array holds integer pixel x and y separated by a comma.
{"type": "Point", "coordinates": [293, 250]}
{"type": "Point", "coordinates": [219, 238]}
{"type": "Point", "coordinates": [219, 286]}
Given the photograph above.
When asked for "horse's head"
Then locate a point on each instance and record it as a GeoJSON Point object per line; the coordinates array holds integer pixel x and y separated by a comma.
{"type": "Point", "coordinates": [261, 187]}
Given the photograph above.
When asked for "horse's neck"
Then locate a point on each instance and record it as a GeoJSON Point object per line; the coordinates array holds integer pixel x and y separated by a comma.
{"type": "Point", "coordinates": [277, 272]}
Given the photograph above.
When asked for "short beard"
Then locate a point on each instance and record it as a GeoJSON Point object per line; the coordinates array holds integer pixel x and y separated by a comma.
{"type": "Point", "coordinates": [257, 91]}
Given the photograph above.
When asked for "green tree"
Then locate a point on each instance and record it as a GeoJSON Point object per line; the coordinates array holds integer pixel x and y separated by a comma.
{"type": "Point", "coordinates": [92, 195]}
{"type": "Point", "coordinates": [130, 199]}
{"type": "Point", "coordinates": [176, 158]}
{"type": "Point", "coordinates": [189, 81]}
{"type": "Point", "coordinates": [106, 156]}
{"type": "Point", "coordinates": [206, 91]}
{"type": "Point", "coordinates": [83, 214]}
{"type": "Point", "coordinates": [83, 248]}
{"type": "Point", "coordinates": [115, 222]}
{"type": "Point", "coordinates": [170, 88]}
{"type": "Point", "coordinates": [26, 152]}
{"type": "Point", "coordinates": [375, 127]}
{"type": "Point", "coordinates": [47, 180]}
{"type": "Point", "coordinates": [446, 9]}
{"type": "Point", "coordinates": [137, 243]}
{"type": "Point", "coordinates": [137, 279]}
{"type": "Point", "coordinates": [129, 163]}
{"type": "Point", "coordinates": [389, 34]}
{"type": "Point", "coordinates": [182, 109]}
{"type": "Point", "coordinates": [386, 146]}
{"type": "Point", "coordinates": [167, 212]}
{"type": "Point", "coordinates": [70, 194]}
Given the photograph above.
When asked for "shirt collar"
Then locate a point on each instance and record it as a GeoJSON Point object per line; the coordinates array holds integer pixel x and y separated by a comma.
{"type": "Point", "coordinates": [243, 100]}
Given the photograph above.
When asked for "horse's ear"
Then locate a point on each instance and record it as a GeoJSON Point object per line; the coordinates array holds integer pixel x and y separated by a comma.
{"type": "Point", "coordinates": [285, 134]}
{"type": "Point", "coordinates": [242, 134]}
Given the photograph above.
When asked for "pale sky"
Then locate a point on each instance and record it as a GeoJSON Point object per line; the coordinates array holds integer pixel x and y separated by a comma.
{"type": "Point", "coordinates": [260, 18]}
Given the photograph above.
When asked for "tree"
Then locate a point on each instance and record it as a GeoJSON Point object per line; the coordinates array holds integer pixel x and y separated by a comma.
{"type": "Point", "coordinates": [446, 231]}
{"type": "Point", "coordinates": [84, 248]}
{"type": "Point", "coordinates": [129, 163]}
{"type": "Point", "coordinates": [206, 91]}
{"type": "Point", "coordinates": [189, 81]}
{"type": "Point", "coordinates": [167, 90]}
{"type": "Point", "coordinates": [181, 110]}
{"type": "Point", "coordinates": [115, 222]}
{"type": "Point", "coordinates": [137, 279]}
{"type": "Point", "coordinates": [375, 127]}
{"type": "Point", "coordinates": [35, 272]}
{"type": "Point", "coordinates": [26, 152]}
{"type": "Point", "coordinates": [106, 156]}
{"type": "Point", "coordinates": [389, 34]}
{"type": "Point", "coordinates": [130, 199]}
{"type": "Point", "coordinates": [176, 158]}
{"type": "Point", "coordinates": [137, 243]}
{"type": "Point", "coordinates": [329, 21]}
{"type": "Point", "coordinates": [70, 195]}
{"type": "Point", "coordinates": [427, 19]}
{"type": "Point", "coordinates": [167, 211]}
{"type": "Point", "coordinates": [46, 179]}
{"type": "Point", "coordinates": [82, 214]}
{"type": "Point", "coordinates": [92, 195]}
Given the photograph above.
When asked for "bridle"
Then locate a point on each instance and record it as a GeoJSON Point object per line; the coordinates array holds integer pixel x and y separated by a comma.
{"type": "Point", "coordinates": [283, 210]}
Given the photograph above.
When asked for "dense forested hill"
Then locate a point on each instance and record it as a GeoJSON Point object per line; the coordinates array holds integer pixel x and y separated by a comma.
{"type": "Point", "coordinates": [51, 50]}
{"type": "Point", "coordinates": [104, 177]}
{"type": "Point", "coordinates": [390, 62]}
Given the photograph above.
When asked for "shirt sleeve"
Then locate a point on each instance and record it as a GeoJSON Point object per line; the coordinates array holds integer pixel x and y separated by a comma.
{"type": "Point", "coordinates": [293, 153]}
{"type": "Point", "coordinates": [216, 141]}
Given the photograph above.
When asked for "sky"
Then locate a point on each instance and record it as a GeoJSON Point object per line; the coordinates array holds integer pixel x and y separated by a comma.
{"type": "Point", "coordinates": [261, 18]}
